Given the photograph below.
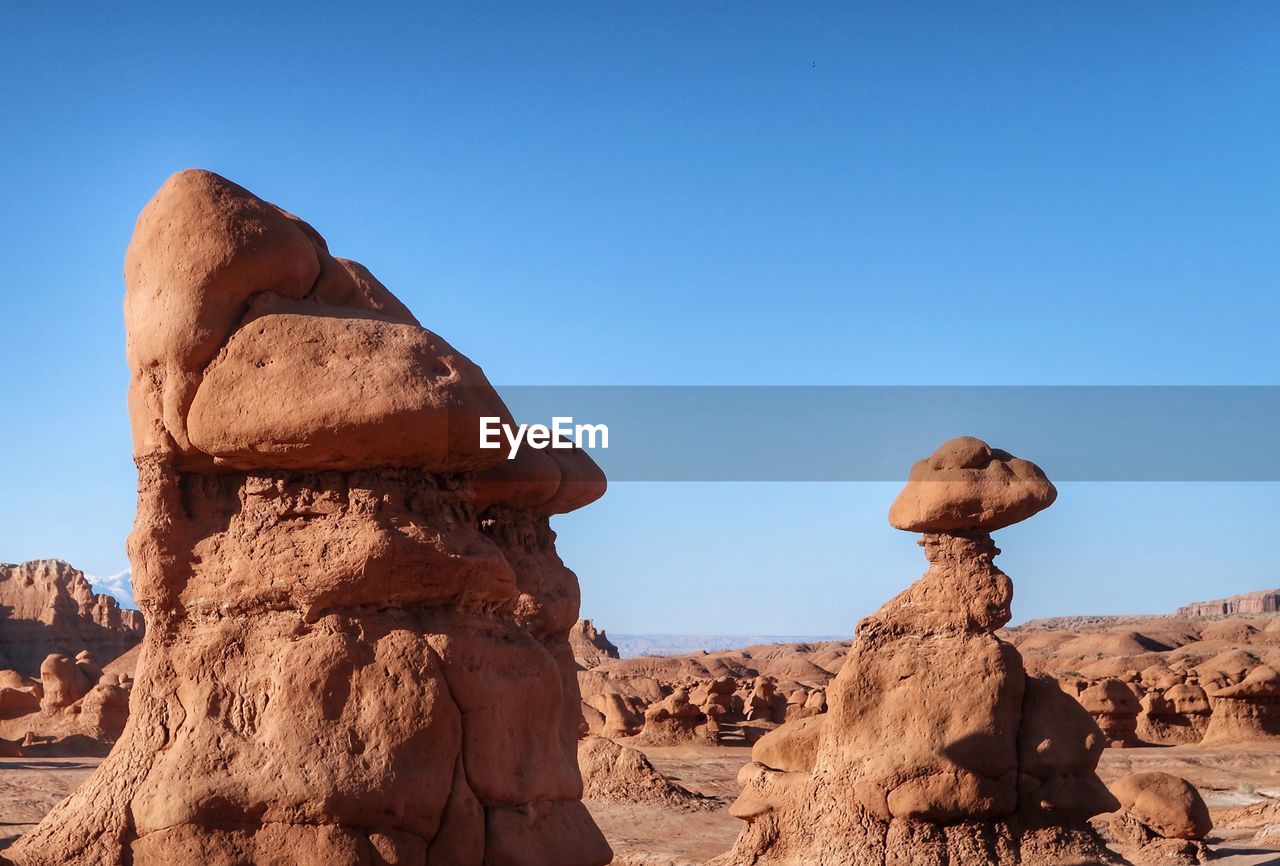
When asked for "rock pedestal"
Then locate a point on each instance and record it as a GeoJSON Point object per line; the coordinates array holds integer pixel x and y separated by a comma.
{"type": "Point", "coordinates": [357, 624]}
{"type": "Point", "coordinates": [936, 747]}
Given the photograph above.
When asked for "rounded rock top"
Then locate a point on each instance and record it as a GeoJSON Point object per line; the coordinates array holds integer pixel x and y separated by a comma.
{"type": "Point", "coordinates": [968, 486]}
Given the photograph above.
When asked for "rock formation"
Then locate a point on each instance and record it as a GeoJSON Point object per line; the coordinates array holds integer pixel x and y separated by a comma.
{"type": "Point", "coordinates": [1115, 708]}
{"type": "Point", "coordinates": [674, 719]}
{"type": "Point", "coordinates": [936, 747]}
{"type": "Point", "coordinates": [357, 647]}
{"type": "Point", "coordinates": [1177, 715]}
{"type": "Point", "coordinates": [620, 774]}
{"type": "Point", "coordinates": [590, 647]}
{"type": "Point", "coordinates": [764, 703]}
{"type": "Point", "coordinates": [46, 607]}
{"type": "Point", "coordinates": [1162, 819]}
{"type": "Point", "coordinates": [1248, 711]}
{"type": "Point", "coordinates": [1263, 601]}
{"type": "Point", "coordinates": [73, 709]}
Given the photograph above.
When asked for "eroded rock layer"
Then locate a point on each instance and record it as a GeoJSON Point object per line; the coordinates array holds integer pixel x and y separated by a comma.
{"type": "Point", "coordinates": [357, 647]}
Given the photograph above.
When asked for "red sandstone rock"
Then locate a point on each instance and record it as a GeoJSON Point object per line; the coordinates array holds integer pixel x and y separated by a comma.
{"type": "Point", "coordinates": [1263, 601]}
{"type": "Point", "coordinates": [351, 657]}
{"type": "Point", "coordinates": [1115, 708]}
{"type": "Point", "coordinates": [673, 720]}
{"type": "Point", "coordinates": [967, 486]}
{"type": "Point", "coordinates": [1178, 714]}
{"type": "Point", "coordinates": [1248, 711]}
{"type": "Point", "coordinates": [50, 608]}
{"type": "Point", "coordinates": [590, 646]}
{"type": "Point", "coordinates": [936, 747]}
{"type": "Point", "coordinates": [620, 774]}
{"type": "Point", "coordinates": [1162, 819]}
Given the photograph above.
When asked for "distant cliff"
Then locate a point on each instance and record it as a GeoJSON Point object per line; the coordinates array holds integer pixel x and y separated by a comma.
{"type": "Point", "coordinates": [47, 606]}
{"type": "Point", "coordinates": [1262, 601]}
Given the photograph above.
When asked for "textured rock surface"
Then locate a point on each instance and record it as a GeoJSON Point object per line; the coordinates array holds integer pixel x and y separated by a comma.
{"type": "Point", "coordinates": [351, 658]}
{"type": "Point", "coordinates": [1169, 805]}
{"type": "Point", "coordinates": [1248, 711]}
{"type": "Point", "coordinates": [46, 607]}
{"type": "Point", "coordinates": [1162, 819]}
{"type": "Point", "coordinates": [590, 645]}
{"type": "Point", "coordinates": [968, 486]}
{"type": "Point", "coordinates": [1115, 708]}
{"type": "Point", "coordinates": [620, 774]}
{"type": "Point", "coordinates": [936, 747]}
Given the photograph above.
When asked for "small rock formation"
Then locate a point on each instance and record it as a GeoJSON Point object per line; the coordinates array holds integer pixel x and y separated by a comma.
{"type": "Point", "coordinates": [619, 774]}
{"type": "Point", "coordinates": [936, 746]}
{"type": "Point", "coordinates": [357, 647]}
{"type": "Point", "coordinates": [672, 720]}
{"type": "Point", "coordinates": [73, 709]}
{"type": "Point", "coordinates": [1162, 819]}
{"type": "Point", "coordinates": [64, 683]}
{"type": "Point", "coordinates": [764, 702]}
{"type": "Point", "coordinates": [46, 607]}
{"type": "Point", "coordinates": [1263, 601]}
{"type": "Point", "coordinates": [590, 647]}
{"type": "Point", "coordinates": [1178, 715]}
{"type": "Point", "coordinates": [1246, 712]}
{"type": "Point", "coordinates": [1115, 708]}
{"type": "Point", "coordinates": [716, 698]}
{"type": "Point", "coordinates": [19, 695]}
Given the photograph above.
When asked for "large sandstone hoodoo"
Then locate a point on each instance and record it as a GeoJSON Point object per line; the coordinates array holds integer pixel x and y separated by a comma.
{"type": "Point", "coordinates": [936, 747]}
{"type": "Point", "coordinates": [357, 647]}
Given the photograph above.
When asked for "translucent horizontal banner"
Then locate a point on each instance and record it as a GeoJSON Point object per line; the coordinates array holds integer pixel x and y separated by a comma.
{"type": "Point", "coordinates": [871, 433]}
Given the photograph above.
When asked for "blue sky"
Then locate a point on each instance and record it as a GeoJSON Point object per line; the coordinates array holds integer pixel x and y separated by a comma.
{"type": "Point", "coordinates": [600, 193]}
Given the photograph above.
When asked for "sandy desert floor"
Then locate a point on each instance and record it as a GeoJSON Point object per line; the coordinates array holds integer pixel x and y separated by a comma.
{"type": "Point", "coordinates": [30, 787]}
{"type": "Point", "coordinates": [645, 835]}
{"type": "Point", "coordinates": [648, 836]}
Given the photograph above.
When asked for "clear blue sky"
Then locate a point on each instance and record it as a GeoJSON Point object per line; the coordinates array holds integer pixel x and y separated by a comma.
{"type": "Point", "coordinates": [597, 193]}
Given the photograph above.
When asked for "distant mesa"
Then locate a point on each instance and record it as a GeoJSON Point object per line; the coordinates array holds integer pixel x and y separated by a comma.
{"type": "Point", "coordinates": [1248, 603]}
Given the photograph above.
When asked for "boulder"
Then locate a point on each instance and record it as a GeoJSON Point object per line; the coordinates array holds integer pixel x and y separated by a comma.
{"type": "Point", "coordinates": [1161, 819]}
{"type": "Point", "coordinates": [590, 646]}
{"type": "Point", "coordinates": [966, 485]}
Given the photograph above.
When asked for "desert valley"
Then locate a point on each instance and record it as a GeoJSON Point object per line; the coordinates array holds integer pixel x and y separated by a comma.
{"type": "Point", "coordinates": [1190, 693]}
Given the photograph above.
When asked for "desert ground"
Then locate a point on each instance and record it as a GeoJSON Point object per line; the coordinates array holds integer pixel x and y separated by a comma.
{"type": "Point", "coordinates": [1241, 786]}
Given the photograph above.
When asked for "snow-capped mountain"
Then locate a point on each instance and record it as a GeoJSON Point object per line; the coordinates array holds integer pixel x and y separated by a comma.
{"type": "Point", "coordinates": [119, 586]}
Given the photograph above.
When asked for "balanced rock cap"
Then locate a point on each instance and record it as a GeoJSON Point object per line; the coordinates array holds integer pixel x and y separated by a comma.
{"type": "Point", "coordinates": [252, 347]}
{"type": "Point", "coordinates": [968, 486]}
